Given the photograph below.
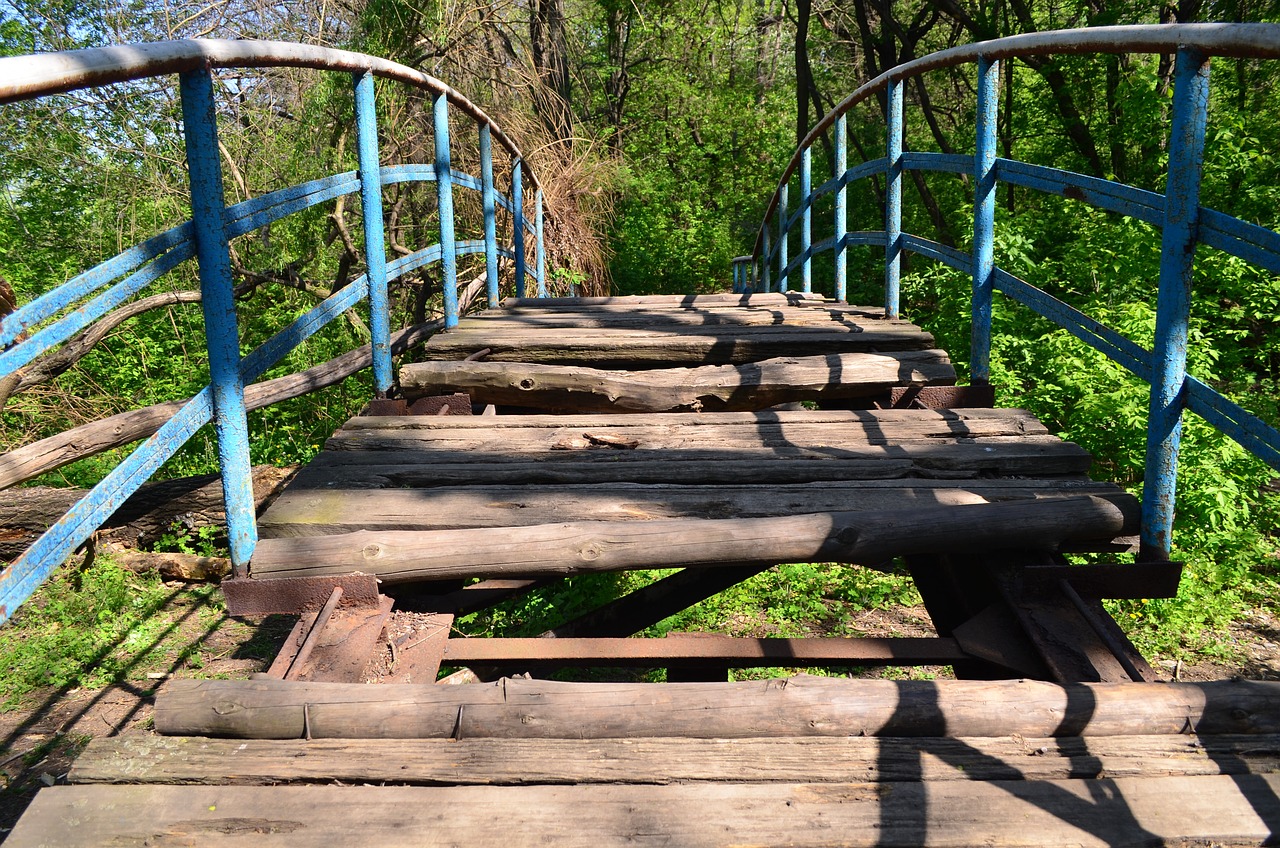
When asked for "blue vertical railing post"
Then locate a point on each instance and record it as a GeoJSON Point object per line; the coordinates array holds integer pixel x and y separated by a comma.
{"type": "Point", "coordinates": [893, 198]}
{"type": "Point", "coordinates": [806, 218]}
{"type": "Point", "coordinates": [375, 249]}
{"type": "Point", "coordinates": [444, 206]}
{"type": "Point", "coordinates": [783, 214]}
{"type": "Point", "coordinates": [841, 255]}
{"type": "Point", "coordinates": [766, 261]}
{"type": "Point", "coordinates": [221, 329]}
{"type": "Point", "coordinates": [1173, 304]}
{"type": "Point", "coordinates": [539, 250]}
{"type": "Point", "coordinates": [517, 222]}
{"type": "Point", "coordinates": [489, 201]}
{"type": "Point", "coordinates": [984, 212]}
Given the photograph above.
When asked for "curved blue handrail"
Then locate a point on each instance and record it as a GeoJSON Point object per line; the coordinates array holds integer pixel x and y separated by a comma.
{"type": "Point", "coordinates": [57, 315]}
{"type": "Point", "coordinates": [1184, 223]}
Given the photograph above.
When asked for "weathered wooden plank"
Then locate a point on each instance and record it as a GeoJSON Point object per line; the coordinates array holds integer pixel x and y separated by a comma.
{"type": "Point", "coordinates": [796, 706]}
{"type": "Point", "coordinates": [697, 346]}
{"type": "Point", "coordinates": [869, 419]}
{"type": "Point", "coordinates": [408, 470]}
{"type": "Point", "coordinates": [578, 547]}
{"type": "Point", "coordinates": [672, 436]}
{"type": "Point", "coordinates": [615, 440]}
{"type": "Point", "coordinates": [317, 511]}
{"type": "Point", "coordinates": [194, 760]}
{"type": "Point", "coordinates": [708, 388]}
{"type": "Point", "coordinates": [643, 317]}
{"type": "Point", "coordinates": [1033, 456]}
{"type": "Point", "coordinates": [854, 336]}
{"type": "Point", "coordinates": [1221, 810]}
{"type": "Point", "coordinates": [674, 301]}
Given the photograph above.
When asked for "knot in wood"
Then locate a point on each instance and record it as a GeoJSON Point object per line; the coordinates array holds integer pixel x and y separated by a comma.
{"type": "Point", "coordinates": [372, 551]}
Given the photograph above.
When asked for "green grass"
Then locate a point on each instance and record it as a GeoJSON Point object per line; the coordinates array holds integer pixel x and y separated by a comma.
{"type": "Point", "coordinates": [98, 625]}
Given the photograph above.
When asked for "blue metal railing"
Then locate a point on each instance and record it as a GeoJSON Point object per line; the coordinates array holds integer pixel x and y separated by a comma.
{"type": "Point", "coordinates": [1183, 222]}
{"type": "Point", "coordinates": [206, 237]}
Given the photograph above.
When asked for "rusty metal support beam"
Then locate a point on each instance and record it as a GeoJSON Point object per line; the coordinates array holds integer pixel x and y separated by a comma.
{"type": "Point", "coordinates": [695, 649]}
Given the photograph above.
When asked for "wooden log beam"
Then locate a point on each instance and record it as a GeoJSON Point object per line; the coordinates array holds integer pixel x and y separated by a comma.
{"type": "Point", "coordinates": [709, 388]}
{"type": "Point", "coordinates": [684, 346]}
{"type": "Point", "coordinates": [642, 436]}
{"type": "Point", "coordinates": [650, 318]}
{"type": "Point", "coordinates": [578, 547]}
{"type": "Point", "coordinates": [306, 511]}
{"type": "Point", "coordinates": [1217, 810]}
{"type": "Point", "coordinates": [147, 759]}
{"type": "Point", "coordinates": [412, 469]}
{"type": "Point", "coordinates": [795, 706]}
{"type": "Point", "coordinates": [672, 301]}
{"type": "Point", "coordinates": [853, 420]}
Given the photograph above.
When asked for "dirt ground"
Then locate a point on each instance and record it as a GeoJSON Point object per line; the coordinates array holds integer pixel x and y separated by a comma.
{"type": "Point", "coordinates": [40, 741]}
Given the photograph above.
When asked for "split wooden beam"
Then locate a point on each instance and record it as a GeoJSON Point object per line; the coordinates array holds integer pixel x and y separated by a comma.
{"type": "Point", "coordinates": [868, 422]}
{"type": "Point", "coordinates": [580, 547]}
{"type": "Point", "coordinates": [750, 386]}
{"type": "Point", "coordinates": [1218, 810]}
{"type": "Point", "coordinates": [647, 317]}
{"type": "Point", "coordinates": [151, 759]}
{"type": "Point", "coordinates": [306, 510]}
{"type": "Point", "coordinates": [412, 469]}
{"type": "Point", "coordinates": [666, 301]}
{"type": "Point", "coordinates": [702, 650]}
{"type": "Point", "coordinates": [795, 706]}
{"type": "Point", "coordinates": [687, 346]}
{"type": "Point", "coordinates": [648, 436]}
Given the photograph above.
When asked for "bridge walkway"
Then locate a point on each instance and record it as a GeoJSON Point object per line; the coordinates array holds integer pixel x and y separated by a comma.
{"type": "Point", "coordinates": [717, 435]}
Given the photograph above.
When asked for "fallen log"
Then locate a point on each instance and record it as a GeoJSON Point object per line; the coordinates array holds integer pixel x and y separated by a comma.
{"type": "Point", "coordinates": [189, 502]}
{"type": "Point", "coordinates": [574, 548]}
{"type": "Point", "coordinates": [749, 386]}
{"type": "Point", "coordinates": [28, 461]}
{"type": "Point", "coordinates": [796, 706]}
{"type": "Point", "coordinates": [191, 568]}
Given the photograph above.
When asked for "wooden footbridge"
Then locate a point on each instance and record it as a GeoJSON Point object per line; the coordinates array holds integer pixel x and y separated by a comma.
{"type": "Point", "coordinates": [717, 435]}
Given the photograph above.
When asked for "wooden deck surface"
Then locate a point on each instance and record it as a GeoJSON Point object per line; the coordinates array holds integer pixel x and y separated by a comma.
{"type": "Point", "coordinates": [644, 433]}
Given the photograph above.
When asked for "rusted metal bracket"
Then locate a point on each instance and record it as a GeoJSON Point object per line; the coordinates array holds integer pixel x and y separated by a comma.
{"type": "Point", "coordinates": [942, 397]}
{"type": "Point", "coordinates": [695, 650]}
{"type": "Point", "coordinates": [385, 406]}
{"type": "Point", "coordinates": [293, 595]}
{"type": "Point", "coordinates": [458, 403]}
{"type": "Point", "coordinates": [1135, 580]}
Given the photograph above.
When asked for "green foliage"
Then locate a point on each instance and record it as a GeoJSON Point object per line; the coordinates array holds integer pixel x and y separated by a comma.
{"type": "Point", "coordinates": [92, 627]}
{"type": "Point", "coordinates": [206, 540]}
{"type": "Point", "coordinates": [787, 600]}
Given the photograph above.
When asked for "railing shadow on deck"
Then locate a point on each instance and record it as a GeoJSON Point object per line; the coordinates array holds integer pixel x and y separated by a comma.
{"type": "Point", "coordinates": [57, 315]}
{"type": "Point", "coordinates": [1183, 222]}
